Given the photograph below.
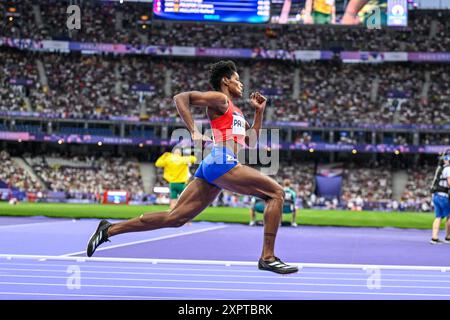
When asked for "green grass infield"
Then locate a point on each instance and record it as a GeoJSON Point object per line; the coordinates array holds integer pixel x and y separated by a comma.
{"type": "Point", "coordinates": [226, 214]}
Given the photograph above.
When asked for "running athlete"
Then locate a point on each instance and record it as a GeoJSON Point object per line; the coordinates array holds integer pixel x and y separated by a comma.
{"type": "Point", "coordinates": [219, 170]}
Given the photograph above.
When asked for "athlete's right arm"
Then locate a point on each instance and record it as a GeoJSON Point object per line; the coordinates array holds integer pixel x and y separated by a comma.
{"type": "Point", "coordinates": [211, 99]}
{"type": "Point", "coordinates": [352, 10]}
{"type": "Point", "coordinates": [308, 19]}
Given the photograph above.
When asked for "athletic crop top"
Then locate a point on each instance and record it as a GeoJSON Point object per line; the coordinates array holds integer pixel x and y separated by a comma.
{"type": "Point", "coordinates": [230, 125]}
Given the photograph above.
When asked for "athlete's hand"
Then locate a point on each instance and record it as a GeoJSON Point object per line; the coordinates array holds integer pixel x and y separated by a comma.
{"type": "Point", "coordinates": [349, 19]}
{"type": "Point", "coordinates": [258, 101]}
{"type": "Point", "coordinates": [308, 19]}
{"type": "Point", "coordinates": [199, 137]}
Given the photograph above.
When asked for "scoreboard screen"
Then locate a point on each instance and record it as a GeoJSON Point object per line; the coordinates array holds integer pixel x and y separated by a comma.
{"type": "Point", "coordinates": [237, 11]}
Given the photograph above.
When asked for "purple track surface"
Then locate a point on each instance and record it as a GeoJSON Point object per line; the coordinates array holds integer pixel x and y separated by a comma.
{"type": "Point", "coordinates": [25, 277]}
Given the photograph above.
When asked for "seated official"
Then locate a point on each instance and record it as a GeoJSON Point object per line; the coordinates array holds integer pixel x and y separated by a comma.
{"type": "Point", "coordinates": [290, 197]}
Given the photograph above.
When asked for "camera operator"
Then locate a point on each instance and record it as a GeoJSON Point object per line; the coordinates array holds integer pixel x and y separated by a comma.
{"type": "Point", "coordinates": [441, 198]}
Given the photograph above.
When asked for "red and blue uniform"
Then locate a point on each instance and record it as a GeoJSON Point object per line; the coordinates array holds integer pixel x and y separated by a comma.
{"type": "Point", "coordinates": [229, 126]}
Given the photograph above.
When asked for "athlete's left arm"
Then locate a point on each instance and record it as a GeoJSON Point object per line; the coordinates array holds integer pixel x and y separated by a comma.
{"type": "Point", "coordinates": [257, 102]}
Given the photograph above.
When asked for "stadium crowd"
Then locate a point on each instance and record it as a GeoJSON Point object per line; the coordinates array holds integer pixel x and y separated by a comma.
{"type": "Point", "coordinates": [82, 177]}
{"type": "Point", "coordinates": [14, 176]}
{"type": "Point", "coordinates": [366, 185]}
{"type": "Point", "coordinates": [328, 93]}
{"type": "Point", "coordinates": [88, 176]}
{"type": "Point", "coordinates": [416, 195]}
{"type": "Point", "coordinates": [130, 23]}
{"type": "Point", "coordinates": [324, 94]}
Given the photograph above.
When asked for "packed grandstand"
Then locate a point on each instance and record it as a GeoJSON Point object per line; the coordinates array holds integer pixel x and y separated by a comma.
{"type": "Point", "coordinates": [377, 122]}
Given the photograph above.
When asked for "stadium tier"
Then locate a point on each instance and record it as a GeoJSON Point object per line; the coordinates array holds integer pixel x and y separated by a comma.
{"type": "Point", "coordinates": [206, 149]}
{"type": "Point", "coordinates": [384, 122]}
{"type": "Point", "coordinates": [58, 178]}
{"type": "Point", "coordinates": [130, 22]}
{"type": "Point", "coordinates": [320, 93]}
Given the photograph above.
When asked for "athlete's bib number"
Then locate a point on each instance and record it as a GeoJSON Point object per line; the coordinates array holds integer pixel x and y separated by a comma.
{"type": "Point", "coordinates": [238, 125]}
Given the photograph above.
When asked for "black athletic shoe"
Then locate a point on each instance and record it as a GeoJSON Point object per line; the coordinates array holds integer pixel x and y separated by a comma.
{"type": "Point", "coordinates": [276, 266]}
{"type": "Point", "coordinates": [436, 241]}
{"type": "Point", "coordinates": [100, 236]}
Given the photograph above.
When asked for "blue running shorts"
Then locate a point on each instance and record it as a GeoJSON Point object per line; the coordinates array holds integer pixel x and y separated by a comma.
{"type": "Point", "coordinates": [216, 164]}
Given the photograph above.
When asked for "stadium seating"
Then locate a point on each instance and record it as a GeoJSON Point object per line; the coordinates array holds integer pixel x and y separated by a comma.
{"type": "Point", "coordinates": [329, 94]}
{"type": "Point", "coordinates": [126, 25]}
{"type": "Point", "coordinates": [96, 176]}
{"type": "Point", "coordinates": [15, 176]}
{"type": "Point", "coordinates": [324, 94]}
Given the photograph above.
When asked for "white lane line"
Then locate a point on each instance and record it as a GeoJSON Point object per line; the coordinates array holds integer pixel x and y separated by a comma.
{"type": "Point", "coordinates": [33, 224]}
{"type": "Point", "coordinates": [185, 274]}
{"type": "Point", "coordinates": [95, 296]}
{"type": "Point", "coordinates": [270, 291]}
{"type": "Point", "coordinates": [221, 262]}
{"type": "Point", "coordinates": [364, 285]}
{"type": "Point", "coordinates": [148, 240]}
{"type": "Point", "coordinates": [222, 270]}
{"type": "Point", "coordinates": [88, 264]}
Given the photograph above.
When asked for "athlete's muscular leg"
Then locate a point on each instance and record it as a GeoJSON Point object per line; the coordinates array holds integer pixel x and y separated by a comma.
{"type": "Point", "coordinates": [245, 180]}
{"type": "Point", "coordinates": [194, 199]}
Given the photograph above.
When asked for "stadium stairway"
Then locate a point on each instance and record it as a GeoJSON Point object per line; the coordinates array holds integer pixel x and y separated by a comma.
{"type": "Point", "coordinates": [118, 84]}
{"type": "Point", "coordinates": [399, 181]}
{"type": "Point", "coordinates": [148, 174]}
{"type": "Point", "coordinates": [426, 86]}
{"type": "Point", "coordinates": [27, 103]}
{"type": "Point", "coordinates": [25, 166]}
{"type": "Point", "coordinates": [246, 81]}
{"type": "Point", "coordinates": [118, 22]}
{"type": "Point", "coordinates": [168, 82]}
{"type": "Point", "coordinates": [41, 70]}
{"type": "Point", "coordinates": [374, 89]}
{"type": "Point", "coordinates": [296, 90]}
{"type": "Point", "coordinates": [143, 37]}
{"type": "Point", "coordinates": [37, 16]}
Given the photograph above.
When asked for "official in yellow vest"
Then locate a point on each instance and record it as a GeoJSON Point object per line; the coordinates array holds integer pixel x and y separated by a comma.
{"type": "Point", "coordinates": [176, 172]}
{"type": "Point", "coordinates": [320, 12]}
